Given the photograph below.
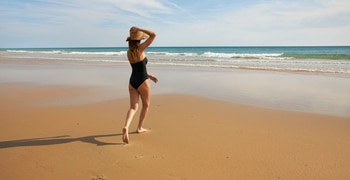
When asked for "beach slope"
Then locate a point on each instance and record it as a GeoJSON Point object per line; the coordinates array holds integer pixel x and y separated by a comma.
{"type": "Point", "coordinates": [190, 138]}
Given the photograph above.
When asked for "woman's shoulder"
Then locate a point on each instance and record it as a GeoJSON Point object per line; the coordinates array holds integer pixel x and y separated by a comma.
{"type": "Point", "coordinates": [139, 59]}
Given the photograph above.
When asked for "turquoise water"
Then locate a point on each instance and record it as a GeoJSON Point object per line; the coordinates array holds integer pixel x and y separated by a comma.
{"type": "Point", "coordinates": [321, 59]}
{"type": "Point", "coordinates": [262, 84]}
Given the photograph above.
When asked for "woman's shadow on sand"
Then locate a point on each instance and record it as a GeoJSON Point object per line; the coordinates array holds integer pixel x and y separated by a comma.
{"type": "Point", "coordinates": [45, 141]}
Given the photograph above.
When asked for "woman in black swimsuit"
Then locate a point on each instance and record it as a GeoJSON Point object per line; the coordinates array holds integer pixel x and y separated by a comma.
{"type": "Point", "coordinates": [139, 84]}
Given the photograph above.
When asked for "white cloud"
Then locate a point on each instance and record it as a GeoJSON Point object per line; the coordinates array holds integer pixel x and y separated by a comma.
{"type": "Point", "coordinates": [142, 8]}
{"type": "Point", "coordinates": [272, 23]}
{"type": "Point", "coordinates": [74, 23]}
{"type": "Point", "coordinates": [106, 23]}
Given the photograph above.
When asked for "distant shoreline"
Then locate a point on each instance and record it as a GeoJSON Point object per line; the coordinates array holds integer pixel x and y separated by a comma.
{"type": "Point", "coordinates": [246, 46]}
{"type": "Point", "coordinates": [298, 91]}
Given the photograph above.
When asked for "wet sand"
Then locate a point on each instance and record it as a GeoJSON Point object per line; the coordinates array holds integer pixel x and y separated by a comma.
{"type": "Point", "coordinates": [63, 129]}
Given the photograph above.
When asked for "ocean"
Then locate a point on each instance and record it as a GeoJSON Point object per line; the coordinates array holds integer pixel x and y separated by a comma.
{"type": "Point", "coordinates": [307, 79]}
{"type": "Point", "coordinates": [316, 59]}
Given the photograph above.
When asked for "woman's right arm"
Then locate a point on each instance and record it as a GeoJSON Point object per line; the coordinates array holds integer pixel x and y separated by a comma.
{"type": "Point", "coordinates": [148, 42]}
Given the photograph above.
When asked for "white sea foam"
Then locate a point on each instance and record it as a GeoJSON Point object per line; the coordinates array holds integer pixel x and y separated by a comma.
{"type": "Point", "coordinates": [240, 55]}
{"type": "Point", "coordinates": [69, 52]}
{"type": "Point", "coordinates": [224, 55]}
{"type": "Point", "coordinates": [253, 61]}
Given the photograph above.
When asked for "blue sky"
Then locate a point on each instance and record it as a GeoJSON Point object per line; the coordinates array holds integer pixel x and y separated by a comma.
{"type": "Point", "coordinates": [95, 23]}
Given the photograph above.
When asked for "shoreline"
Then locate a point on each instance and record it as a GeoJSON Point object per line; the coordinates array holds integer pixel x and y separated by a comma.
{"type": "Point", "coordinates": [305, 92]}
{"type": "Point", "coordinates": [190, 137]}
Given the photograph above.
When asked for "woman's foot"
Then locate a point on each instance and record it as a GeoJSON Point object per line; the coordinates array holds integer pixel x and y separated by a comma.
{"type": "Point", "coordinates": [141, 130]}
{"type": "Point", "coordinates": [125, 136]}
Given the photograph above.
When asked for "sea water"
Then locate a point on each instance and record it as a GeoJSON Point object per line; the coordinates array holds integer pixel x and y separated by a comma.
{"type": "Point", "coordinates": [317, 59]}
{"type": "Point", "coordinates": [308, 79]}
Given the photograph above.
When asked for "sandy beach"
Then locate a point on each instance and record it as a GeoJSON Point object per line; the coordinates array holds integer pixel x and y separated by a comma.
{"type": "Point", "coordinates": [69, 127]}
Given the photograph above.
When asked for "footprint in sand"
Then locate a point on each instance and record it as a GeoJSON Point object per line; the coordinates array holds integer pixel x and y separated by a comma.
{"type": "Point", "coordinates": [100, 177]}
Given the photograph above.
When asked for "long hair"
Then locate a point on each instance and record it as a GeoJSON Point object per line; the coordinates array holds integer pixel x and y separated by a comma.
{"type": "Point", "coordinates": [134, 48]}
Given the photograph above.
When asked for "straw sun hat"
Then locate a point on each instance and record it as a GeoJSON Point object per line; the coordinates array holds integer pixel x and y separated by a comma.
{"type": "Point", "coordinates": [138, 35]}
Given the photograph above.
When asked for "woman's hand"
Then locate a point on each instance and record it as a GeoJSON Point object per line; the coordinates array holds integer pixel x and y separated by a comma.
{"type": "Point", "coordinates": [153, 78]}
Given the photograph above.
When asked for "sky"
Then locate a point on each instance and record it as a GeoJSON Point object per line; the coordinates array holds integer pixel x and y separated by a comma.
{"type": "Point", "coordinates": [106, 23]}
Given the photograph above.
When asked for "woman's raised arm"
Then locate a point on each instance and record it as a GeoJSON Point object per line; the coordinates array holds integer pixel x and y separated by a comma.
{"type": "Point", "coordinates": [148, 42]}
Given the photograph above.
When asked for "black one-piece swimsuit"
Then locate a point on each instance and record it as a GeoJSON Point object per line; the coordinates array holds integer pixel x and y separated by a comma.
{"type": "Point", "coordinates": [139, 73]}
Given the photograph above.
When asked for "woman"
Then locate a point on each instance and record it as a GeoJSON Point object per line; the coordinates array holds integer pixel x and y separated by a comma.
{"type": "Point", "coordinates": [139, 85]}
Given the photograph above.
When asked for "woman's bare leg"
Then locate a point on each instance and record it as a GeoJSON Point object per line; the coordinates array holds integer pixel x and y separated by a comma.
{"type": "Point", "coordinates": [145, 93]}
{"type": "Point", "coordinates": [134, 102]}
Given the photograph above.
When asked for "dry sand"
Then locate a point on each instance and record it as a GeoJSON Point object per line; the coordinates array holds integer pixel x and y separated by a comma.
{"type": "Point", "coordinates": [191, 138]}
